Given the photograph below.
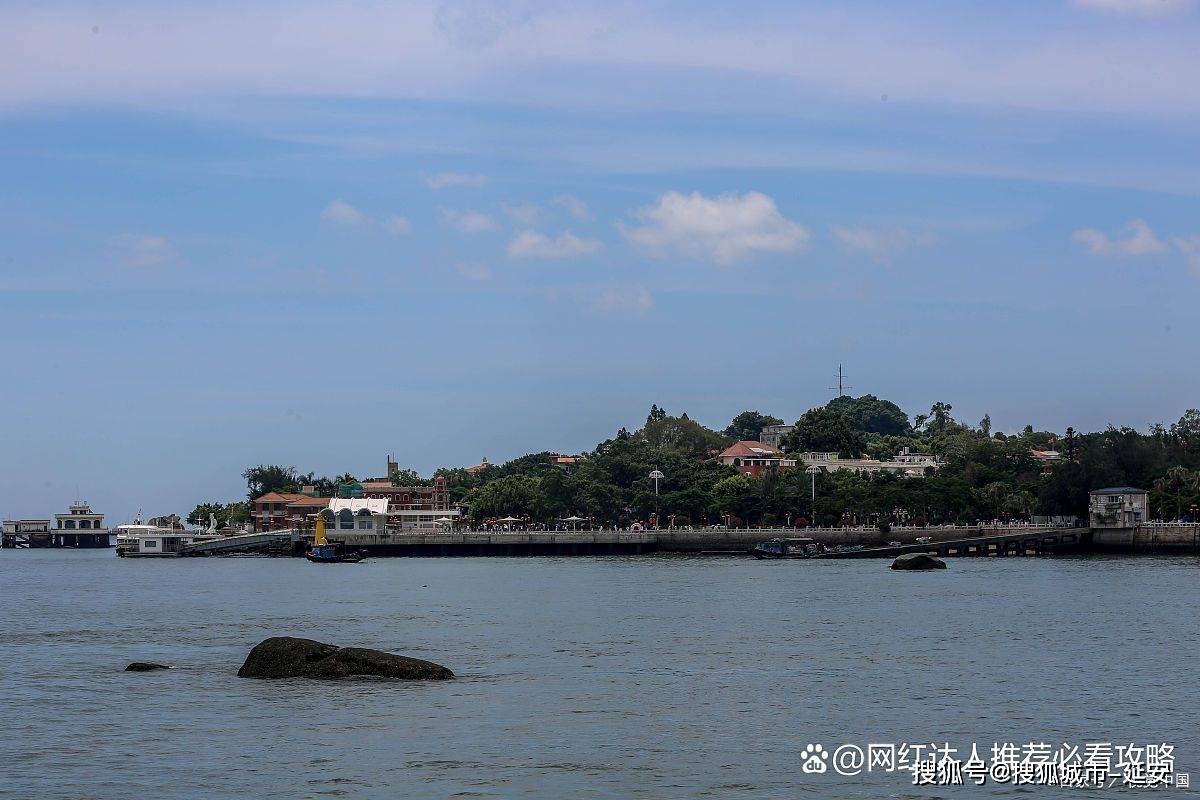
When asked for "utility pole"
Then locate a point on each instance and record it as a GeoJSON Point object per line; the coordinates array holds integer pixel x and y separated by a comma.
{"type": "Point", "coordinates": [841, 382]}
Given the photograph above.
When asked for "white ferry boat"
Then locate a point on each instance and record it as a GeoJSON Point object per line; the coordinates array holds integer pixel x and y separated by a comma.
{"type": "Point", "coordinates": [139, 540]}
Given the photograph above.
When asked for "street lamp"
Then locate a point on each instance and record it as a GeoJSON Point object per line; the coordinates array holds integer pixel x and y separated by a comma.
{"type": "Point", "coordinates": [656, 475]}
{"type": "Point", "coordinates": [813, 470]}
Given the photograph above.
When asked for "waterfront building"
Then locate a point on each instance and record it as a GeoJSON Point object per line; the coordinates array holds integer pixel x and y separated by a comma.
{"type": "Point", "coordinates": [22, 533]}
{"type": "Point", "coordinates": [907, 462]}
{"type": "Point", "coordinates": [773, 434]}
{"type": "Point", "coordinates": [1118, 507]}
{"type": "Point", "coordinates": [356, 515]}
{"type": "Point", "coordinates": [79, 526]}
{"type": "Point", "coordinates": [754, 458]}
{"type": "Point", "coordinates": [279, 510]}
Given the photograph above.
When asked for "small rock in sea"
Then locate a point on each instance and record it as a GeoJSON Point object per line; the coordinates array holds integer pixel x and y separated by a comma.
{"type": "Point", "coordinates": [289, 657]}
{"type": "Point", "coordinates": [918, 561]}
{"type": "Point", "coordinates": [145, 666]}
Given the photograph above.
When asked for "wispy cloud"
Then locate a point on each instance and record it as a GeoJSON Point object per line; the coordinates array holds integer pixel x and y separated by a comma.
{"type": "Point", "coordinates": [534, 245]}
{"type": "Point", "coordinates": [1189, 246]}
{"type": "Point", "coordinates": [881, 242]}
{"type": "Point", "coordinates": [1139, 8]}
{"type": "Point", "coordinates": [636, 299]}
{"type": "Point", "coordinates": [343, 214]}
{"type": "Point", "coordinates": [146, 53]}
{"type": "Point", "coordinates": [143, 250]}
{"type": "Point", "coordinates": [724, 229]}
{"type": "Point", "coordinates": [574, 206]}
{"type": "Point", "coordinates": [523, 213]}
{"type": "Point", "coordinates": [1139, 240]}
{"type": "Point", "coordinates": [468, 220]}
{"type": "Point", "coordinates": [451, 180]}
{"type": "Point", "coordinates": [396, 225]}
{"type": "Point", "coordinates": [473, 270]}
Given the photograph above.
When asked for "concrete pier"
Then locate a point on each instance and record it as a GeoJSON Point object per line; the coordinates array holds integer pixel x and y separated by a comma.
{"type": "Point", "coordinates": [946, 540]}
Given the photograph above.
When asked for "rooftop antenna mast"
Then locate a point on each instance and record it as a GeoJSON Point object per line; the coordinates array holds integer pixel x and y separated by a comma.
{"type": "Point", "coordinates": [841, 382]}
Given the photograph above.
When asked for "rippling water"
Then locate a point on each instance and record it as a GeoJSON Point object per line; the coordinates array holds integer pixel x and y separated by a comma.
{"type": "Point", "coordinates": [638, 677]}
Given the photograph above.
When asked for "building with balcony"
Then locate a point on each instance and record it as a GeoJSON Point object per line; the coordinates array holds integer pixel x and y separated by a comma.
{"type": "Point", "coordinates": [279, 510]}
{"type": "Point", "coordinates": [1118, 507]}
{"type": "Point", "coordinates": [755, 458]}
{"type": "Point", "coordinates": [907, 463]}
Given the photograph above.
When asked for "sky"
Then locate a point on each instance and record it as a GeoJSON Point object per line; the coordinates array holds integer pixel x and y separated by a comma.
{"type": "Point", "coordinates": [315, 234]}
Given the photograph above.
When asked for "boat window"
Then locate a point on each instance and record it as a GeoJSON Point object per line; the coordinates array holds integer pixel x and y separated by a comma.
{"type": "Point", "coordinates": [150, 543]}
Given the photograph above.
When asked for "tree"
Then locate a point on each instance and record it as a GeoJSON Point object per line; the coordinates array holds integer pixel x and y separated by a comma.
{"type": "Point", "coordinates": [1175, 494]}
{"type": "Point", "coordinates": [200, 514]}
{"type": "Point", "coordinates": [269, 478]}
{"type": "Point", "coordinates": [655, 414]}
{"type": "Point", "coordinates": [406, 477]}
{"type": "Point", "coordinates": [738, 495]}
{"type": "Point", "coordinates": [822, 430]}
{"type": "Point", "coordinates": [937, 422]}
{"type": "Point", "coordinates": [869, 414]}
{"type": "Point", "coordinates": [511, 495]}
{"type": "Point", "coordinates": [748, 425]}
{"type": "Point", "coordinates": [985, 425]}
{"type": "Point", "coordinates": [683, 434]}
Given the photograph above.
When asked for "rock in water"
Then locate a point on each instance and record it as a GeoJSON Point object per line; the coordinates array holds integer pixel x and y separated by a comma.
{"type": "Point", "coordinates": [918, 561]}
{"type": "Point", "coordinates": [289, 657]}
{"type": "Point", "coordinates": [145, 666]}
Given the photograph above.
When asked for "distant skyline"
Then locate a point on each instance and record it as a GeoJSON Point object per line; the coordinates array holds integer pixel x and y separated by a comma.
{"type": "Point", "coordinates": [313, 234]}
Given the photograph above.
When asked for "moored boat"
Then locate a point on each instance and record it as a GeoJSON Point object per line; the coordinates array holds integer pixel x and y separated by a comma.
{"type": "Point", "coordinates": [797, 547]}
{"type": "Point", "coordinates": [324, 551]}
{"type": "Point", "coordinates": [140, 540]}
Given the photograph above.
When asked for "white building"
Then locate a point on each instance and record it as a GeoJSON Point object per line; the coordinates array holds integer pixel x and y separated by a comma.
{"type": "Point", "coordinates": [358, 515]}
{"type": "Point", "coordinates": [376, 515]}
{"type": "Point", "coordinates": [906, 462]}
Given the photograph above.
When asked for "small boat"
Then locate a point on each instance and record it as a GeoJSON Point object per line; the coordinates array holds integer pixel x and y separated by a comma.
{"type": "Point", "coordinates": [333, 554]}
{"type": "Point", "coordinates": [324, 551]}
{"type": "Point", "coordinates": [799, 547]}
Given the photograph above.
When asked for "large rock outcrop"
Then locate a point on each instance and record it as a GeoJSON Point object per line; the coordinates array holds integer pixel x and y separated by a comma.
{"type": "Point", "coordinates": [289, 657]}
{"type": "Point", "coordinates": [918, 561]}
{"type": "Point", "coordinates": [145, 666]}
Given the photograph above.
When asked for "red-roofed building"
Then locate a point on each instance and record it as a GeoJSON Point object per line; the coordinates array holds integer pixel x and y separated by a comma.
{"type": "Point", "coordinates": [754, 458]}
{"type": "Point", "coordinates": [275, 510]}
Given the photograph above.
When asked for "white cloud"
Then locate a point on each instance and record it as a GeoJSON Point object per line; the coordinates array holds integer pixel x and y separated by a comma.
{"type": "Point", "coordinates": [474, 271]}
{"type": "Point", "coordinates": [574, 206]}
{"type": "Point", "coordinates": [1138, 8]}
{"type": "Point", "coordinates": [396, 225]}
{"type": "Point", "coordinates": [469, 221]}
{"type": "Point", "coordinates": [339, 212]}
{"type": "Point", "coordinates": [624, 298]}
{"type": "Point", "coordinates": [725, 229]}
{"type": "Point", "coordinates": [342, 213]}
{"type": "Point", "coordinates": [143, 250]}
{"type": "Point", "coordinates": [1190, 247]}
{"type": "Point", "coordinates": [1139, 241]}
{"type": "Point", "coordinates": [531, 244]}
{"type": "Point", "coordinates": [524, 213]}
{"type": "Point", "coordinates": [450, 180]}
{"type": "Point", "coordinates": [881, 242]}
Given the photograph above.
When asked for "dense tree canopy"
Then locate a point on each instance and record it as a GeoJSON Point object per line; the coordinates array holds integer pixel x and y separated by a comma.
{"type": "Point", "coordinates": [986, 475]}
{"type": "Point", "coordinates": [825, 430]}
{"type": "Point", "coordinates": [748, 425]}
{"type": "Point", "coordinates": [869, 414]}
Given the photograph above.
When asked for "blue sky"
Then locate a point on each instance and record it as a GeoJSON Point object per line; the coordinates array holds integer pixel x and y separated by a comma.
{"type": "Point", "coordinates": [315, 234]}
